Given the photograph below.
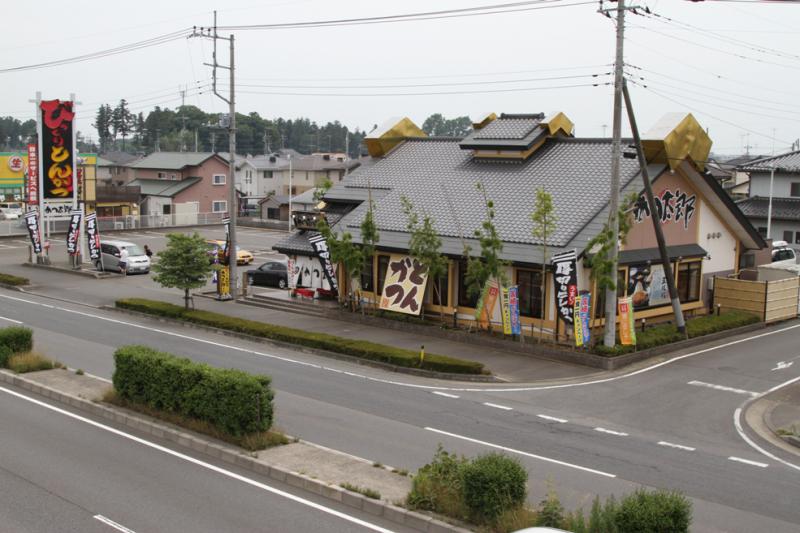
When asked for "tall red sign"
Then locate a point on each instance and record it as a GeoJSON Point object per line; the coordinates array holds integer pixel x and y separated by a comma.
{"type": "Point", "coordinates": [32, 186]}
{"type": "Point", "coordinates": [58, 155]}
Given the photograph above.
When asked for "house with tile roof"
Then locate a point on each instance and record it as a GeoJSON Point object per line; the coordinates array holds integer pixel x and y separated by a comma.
{"type": "Point", "coordinates": [783, 171]}
{"type": "Point", "coordinates": [512, 156]}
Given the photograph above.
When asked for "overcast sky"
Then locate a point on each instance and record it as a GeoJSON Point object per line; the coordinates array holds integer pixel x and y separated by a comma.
{"type": "Point", "coordinates": [735, 65]}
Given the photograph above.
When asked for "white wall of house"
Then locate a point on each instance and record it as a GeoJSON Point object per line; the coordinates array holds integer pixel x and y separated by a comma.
{"type": "Point", "coordinates": [781, 187]}
{"type": "Point", "coordinates": [154, 205]}
{"type": "Point", "coordinates": [717, 240]}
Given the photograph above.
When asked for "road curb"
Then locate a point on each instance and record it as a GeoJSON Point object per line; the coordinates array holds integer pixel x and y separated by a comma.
{"type": "Point", "coordinates": [74, 271]}
{"type": "Point", "coordinates": [314, 351]}
{"type": "Point", "coordinates": [771, 426]}
{"type": "Point", "coordinates": [386, 510]}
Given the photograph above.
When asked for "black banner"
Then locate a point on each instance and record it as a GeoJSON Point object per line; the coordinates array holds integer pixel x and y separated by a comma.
{"type": "Point", "coordinates": [226, 222]}
{"type": "Point", "coordinates": [74, 232]}
{"type": "Point", "coordinates": [93, 236]}
{"type": "Point", "coordinates": [565, 279]}
{"type": "Point", "coordinates": [58, 157]}
{"type": "Point", "coordinates": [324, 255]}
{"type": "Point", "coordinates": [32, 221]}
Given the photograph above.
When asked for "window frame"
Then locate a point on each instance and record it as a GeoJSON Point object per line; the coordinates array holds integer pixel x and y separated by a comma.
{"type": "Point", "coordinates": [216, 182]}
{"type": "Point", "coordinates": [463, 294]}
{"type": "Point", "coordinates": [790, 233]}
{"type": "Point", "coordinates": [685, 293]}
{"type": "Point", "coordinates": [214, 204]}
{"type": "Point", "coordinates": [381, 273]}
{"type": "Point", "coordinates": [794, 189]}
{"type": "Point", "coordinates": [521, 297]}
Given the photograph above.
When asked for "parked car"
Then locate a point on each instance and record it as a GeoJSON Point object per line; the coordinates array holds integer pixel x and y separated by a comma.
{"type": "Point", "coordinates": [783, 254]}
{"type": "Point", "coordinates": [243, 257]}
{"type": "Point", "coordinates": [11, 208]}
{"type": "Point", "coordinates": [270, 274]}
{"type": "Point", "coordinates": [6, 215]}
{"type": "Point", "coordinates": [110, 251]}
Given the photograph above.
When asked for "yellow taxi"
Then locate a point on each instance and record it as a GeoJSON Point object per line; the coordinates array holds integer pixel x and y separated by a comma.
{"type": "Point", "coordinates": [243, 257]}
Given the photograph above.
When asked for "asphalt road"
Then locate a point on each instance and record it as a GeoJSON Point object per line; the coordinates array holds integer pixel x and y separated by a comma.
{"type": "Point", "coordinates": [59, 473]}
{"type": "Point", "coordinates": [670, 426]}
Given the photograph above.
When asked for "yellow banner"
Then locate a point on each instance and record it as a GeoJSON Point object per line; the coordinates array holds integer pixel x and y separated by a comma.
{"type": "Point", "coordinates": [506, 312]}
{"type": "Point", "coordinates": [404, 287]}
{"type": "Point", "coordinates": [224, 281]}
{"type": "Point", "coordinates": [578, 325]}
{"type": "Point", "coordinates": [627, 332]}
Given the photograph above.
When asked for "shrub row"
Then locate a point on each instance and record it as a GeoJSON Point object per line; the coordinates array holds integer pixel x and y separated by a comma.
{"type": "Point", "coordinates": [234, 401]}
{"type": "Point", "coordinates": [16, 281]}
{"type": "Point", "coordinates": [14, 339]}
{"type": "Point", "coordinates": [323, 341]}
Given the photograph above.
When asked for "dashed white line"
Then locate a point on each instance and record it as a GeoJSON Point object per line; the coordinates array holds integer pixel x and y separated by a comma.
{"type": "Point", "coordinates": [748, 462]}
{"type": "Point", "coordinates": [519, 452]}
{"type": "Point", "coordinates": [446, 395]}
{"type": "Point", "coordinates": [723, 388]}
{"type": "Point", "coordinates": [554, 419]}
{"type": "Point", "coordinates": [109, 522]}
{"type": "Point", "coordinates": [611, 432]}
{"type": "Point", "coordinates": [676, 446]}
{"type": "Point", "coordinates": [496, 406]}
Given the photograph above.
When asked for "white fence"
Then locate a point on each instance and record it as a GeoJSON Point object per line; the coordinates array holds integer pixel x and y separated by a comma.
{"type": "Point", "coordinates": [17, 227]}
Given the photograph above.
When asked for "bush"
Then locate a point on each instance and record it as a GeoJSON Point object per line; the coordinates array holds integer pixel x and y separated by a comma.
{"type": "Point", "coordinates": [16, 281]}
{"type": "Point", "coordinates": [653, 512]}
{"type": "Point", "coordinates": [5, 355]}
{"type": "Point", "coordinates": [706, 325]}
{"type": "Point", "coordinates": [234, 401]}
{"type": "Point", "coordinates": [437, 486]}
{"type": "Point", "coordinates": [493, 483]}
{"type": "Point", "coordinates": [17, 338]}
{"type": "Point", "coordinates": [323, 341]}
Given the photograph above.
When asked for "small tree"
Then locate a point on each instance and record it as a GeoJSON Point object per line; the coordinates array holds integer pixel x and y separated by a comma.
{"type": "Point", "coordinates": [183, 264]}
{"type": "Point", "coordinates": [369, 236]}
{"type": "Point", "coordinates": [425, 246]}
{"type": "Point", "coordinates": [544, 225]}
{"type": "Point", "coordinates": [343, 252]}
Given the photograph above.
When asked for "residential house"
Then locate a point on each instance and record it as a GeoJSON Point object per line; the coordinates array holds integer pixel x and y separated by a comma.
{"type": "Point", "coordinates": [260, 176]}
{"type": "Point", "coordinates": [276, 206]}
{"type": "Point", "coordinates": [784, 172]}
{"type": "Point", "coordinates": [112, 167]}
{"type": "Point", "coordinates": [512, 156]}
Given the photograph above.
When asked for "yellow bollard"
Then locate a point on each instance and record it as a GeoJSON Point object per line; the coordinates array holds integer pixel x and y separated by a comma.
{"type": "Point", "coordinates": [421, 355]}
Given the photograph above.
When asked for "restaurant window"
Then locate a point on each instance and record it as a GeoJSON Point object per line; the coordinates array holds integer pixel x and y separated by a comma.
{"type": "Point", "coordinates": [689, 281]}
{"type": "Point", "coordinates": [366, 275]}
{"type": "Point", "coordinates": [383, 266]}
{"type": "Point", "coordinates": [530, 293]}
{"type": "Point", "coordinates": [600, 303]}
{"type": "Point", "coordinates": [464, 299]}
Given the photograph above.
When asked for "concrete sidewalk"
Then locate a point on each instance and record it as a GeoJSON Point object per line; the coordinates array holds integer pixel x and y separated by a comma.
{"type": "Point", "coordinates": [781, 414]}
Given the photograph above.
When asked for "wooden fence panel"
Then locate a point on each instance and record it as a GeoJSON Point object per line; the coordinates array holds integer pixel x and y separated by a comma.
{"type": "Point", "coordinates": [770, 300]}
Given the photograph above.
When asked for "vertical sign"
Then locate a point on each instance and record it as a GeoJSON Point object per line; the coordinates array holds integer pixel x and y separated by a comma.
{"type": "Point", "coordinates": [320, 247]}
{"type": "Point", "coordinates": [224, 273]}
{"type": "Point", "coordinates": [290, 277]}
{"type": "Point", "coordinates": [627, 333]}
{"type": "Point", "coordinates": [565, 279]}
{"type": "Point", "coordinates": [58, 156]}
{"type": "Point", "coordinates": [32, 185]}
{"type": "Point", "coordinates": [513, 309]}
{"type": "Point", "coordinates": [585, 316]}
{"type": "Point", "coordinates": [404, 287]}
{"type": "Point", "coordinates": [32, 222]}
{"type": "Point", "coordinates": [93, 236]}
{"type": "Point", "coordinates": [578, 329]}
{"type": "Point", "coordinates": [74, 232]}
{"type": "Point", "coordinates": [506, 311]}
{"type": "Point", "coordinates": [485, 308]}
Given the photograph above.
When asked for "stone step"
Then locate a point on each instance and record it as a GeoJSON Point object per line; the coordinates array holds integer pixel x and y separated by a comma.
{"type": "Point", "coordinates": [280, 305]}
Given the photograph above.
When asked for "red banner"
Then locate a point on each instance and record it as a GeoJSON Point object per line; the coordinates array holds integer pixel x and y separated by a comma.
{"type": "Point", "coordinates": [32, 191]}
{"type": "Point", "coordinates": [58, 157]}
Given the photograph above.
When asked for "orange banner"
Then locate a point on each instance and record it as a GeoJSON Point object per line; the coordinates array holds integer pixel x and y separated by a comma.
{"type": "Point", "coordinates": [627, 332]}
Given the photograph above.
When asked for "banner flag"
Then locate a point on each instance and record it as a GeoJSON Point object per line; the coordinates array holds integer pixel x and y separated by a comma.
{"type": "Point", "coordinates": [565, 279]}
{"type": "Point", "coordinates": [93, 236]}
{"type": "Point", "coordinates": [506, 311]}
{"type": "Point", "coordinates": [32, 222]}
{"type": "Point", "coordinates": [585, 317]}
{"type": "Point", "coordinates": [32, 185]}
{"type": "Point", "coordinates": [627, 332]}
{"type": "Point", "coordinates": [485, 308]}
{"type": "Point", "coordinates": [74, 232]}
{"type": "Point", "coordinates": [577, 321]}
{"type": "Point", "coordinates": [324, 255]}
{"type": "Point", "coordinates": [513, 308]}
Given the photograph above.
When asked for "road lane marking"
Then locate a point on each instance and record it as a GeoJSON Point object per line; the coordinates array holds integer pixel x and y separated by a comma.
{"type": "Point", "coordinates": [198, 462]}
{"type": "Point", "coordinates": [10, 320]}
{"type": "Point", "coordinates": [723, 388]}
{"type": "Point", "coordinates": [554, 419]}
{"type": "Point", "coordinates": [676, 446]}
{"type": "Point", "coordinates": [109, 522]}
{"type": "Point", "coordinates": [496, 406]}
{"type": "Point", "coordinates": [446, 395]}
{"type": "Point", "coordinates": [748, 462]}
{"type": "Point", "coordinates": [520, 452]}
{"type": "Point", "coordinates": [611, 432]}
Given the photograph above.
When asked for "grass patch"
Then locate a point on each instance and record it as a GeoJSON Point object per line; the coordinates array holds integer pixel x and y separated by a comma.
{"type": "Point", "coordinates": [357, 348]}
{"type": "Point", "coordinates": [24, 362]}
{"type": "Point", "coordinates": [15, 281]}
{"type": "Point", "coordinates": [250, 441]}
{"type": "Point", "coordinates": [369, 493]}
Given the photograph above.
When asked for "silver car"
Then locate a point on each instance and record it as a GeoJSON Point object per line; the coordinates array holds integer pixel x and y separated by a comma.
{"type": "Point", "coordinates": [110, 251]}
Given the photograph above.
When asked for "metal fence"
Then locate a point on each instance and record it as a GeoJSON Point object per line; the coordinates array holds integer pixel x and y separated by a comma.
{"type": "Point", "coordinates": [17, 227]}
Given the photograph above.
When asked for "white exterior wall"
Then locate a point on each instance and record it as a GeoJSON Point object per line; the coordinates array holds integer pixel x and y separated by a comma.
{"type": "Point", "coordinates": [722, 249]}
{"type": "Point", "coordinates": [781, 185]}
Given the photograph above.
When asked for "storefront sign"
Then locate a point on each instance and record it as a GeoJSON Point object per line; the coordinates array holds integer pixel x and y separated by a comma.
{"type": "Point", "coordinates": [74, 232]}
{"type": "Point", "coordinates": [224, 282]}
{"type": "Point", "coordinates": [506, 312]}
{"type": "Point", "coordinates": [670, 206]}
{"type": "Point", "coordinates": [32, 184]}
{"type": "Point", "coordinates": [513, 308]}
{"type": "Point", "coordinates": [582, 331]}
{"type": "Point", "coordinates": [93, 236]}
{"type": "Point", "coordinates": [627, 332]}
{"type": "Point", "coordinates": [565, 279]}
{"type": "Point", "coordinates": [58, 157]}
{"type": "Point", "coordinates": [16, 163]}
{"type": "Point", "coordinates": [578, 329]}
{"type": "Point", "coordinates": [404, 286]}
{"type": "Point", "coordinates": [647, 284]}
{"type": "Point", "coordinates": [32, 222]}
{"type": "Point", "coordinates": [320, 247]}
{"type": "Point", "coordinates": [290, 274]}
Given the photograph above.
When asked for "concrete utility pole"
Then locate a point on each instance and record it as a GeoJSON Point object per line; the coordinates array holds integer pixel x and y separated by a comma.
{"type": "Point", "coordinates": [290, 193]}
{"type": "Point", "coordinates": [610, 335]}
{"type": "Point", "coordinates": [651, 203]}
{"type": "Point", "coordinates": [233, 204]}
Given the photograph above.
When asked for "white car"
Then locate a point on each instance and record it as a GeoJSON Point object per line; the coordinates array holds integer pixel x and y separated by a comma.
{"type": "Point", "coordinates": [6, 215]}
{"type": "Point", "coordinates": [783, 254]}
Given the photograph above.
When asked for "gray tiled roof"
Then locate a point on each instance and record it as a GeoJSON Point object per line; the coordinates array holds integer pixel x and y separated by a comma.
{"type": "Point", "coordinates": [507, 128]}
{"type": "Point", "coordinates": [172, 160]}
{"type": "Point", "coordinates": [297, 242]}
{"type": "Point", "coordinates": [782, 208]}
{"type": "Point", "coordinates": [509, 132]}
{"type": "Point", "coordinates": [166, 188]}
{"type": "Point", "coordinates": [788, 162]}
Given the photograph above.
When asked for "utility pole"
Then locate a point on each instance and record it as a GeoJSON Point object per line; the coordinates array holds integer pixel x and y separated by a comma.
{"type": "Point", "coordinates": [214, 142]}
{"type": "Point", "coordinates": [290, 193]}
{"type": "Point", "coordinates": [651, 203]}
{"type": "Point", "coordinates": [195, 141]}
{"type": "Point", "coordinates": [233, 204]}
{"type": "Point", "coordinates": [157, 147]}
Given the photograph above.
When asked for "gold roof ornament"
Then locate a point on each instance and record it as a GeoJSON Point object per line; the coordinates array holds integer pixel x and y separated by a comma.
{"type": "Point", "coordinates": [482, 119]}
{"type": "Point", "coordinates": [558, 121]}
{"type": "Point", "coordinates": [391, 133]}
{"type": "Point", "coordinates": [674, 138]}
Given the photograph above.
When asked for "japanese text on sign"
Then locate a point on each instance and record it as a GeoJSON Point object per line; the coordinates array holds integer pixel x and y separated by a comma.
{"type": "Point", "coordinates": [405, 285]}
{"type": "Point", "coordinates": [565, 279]}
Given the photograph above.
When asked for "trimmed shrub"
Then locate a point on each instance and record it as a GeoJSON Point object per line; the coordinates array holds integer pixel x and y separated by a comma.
{"type": "Point", "coordinates": [437, 486]}
{"type": "Point", "coordinates": [5, 355]}
{"type": "Point", "coordinates": [18, 338]}
{"type": "Point", "coordinates": [15, 281]}
{"type": "Point", "coordinates": [706, 325]}
{"type": "Point", "coordinates": [234, 401]}
{"type": "Point", "coordinates": [653, 512]}
{"type": "Point", "coordinates": [323, 341]}
{"type": "Point", "coordinates": [493, 483]}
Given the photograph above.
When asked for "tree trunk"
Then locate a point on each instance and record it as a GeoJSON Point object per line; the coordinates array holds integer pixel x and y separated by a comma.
{"type": "Point", "coordinates": [437, 286]}
{"type": "Point", "coordinates": [186, 298]}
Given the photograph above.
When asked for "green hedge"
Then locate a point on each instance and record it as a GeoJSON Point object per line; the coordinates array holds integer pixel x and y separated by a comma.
{"type": "Point", "coordinates": [234, 401]}
{"type": "Point", "coordinates": [9, 279]}
{"type": "Point", "coordinates": [492, 484]}
{"type": "Point", "coordinates": [323, 341]}
{"type": "Point", "coordinates": [5, 355]}
{"type": "Point", "coordinates": [657, 512]}
{"type": "Point", "coordinates": [17, 338]}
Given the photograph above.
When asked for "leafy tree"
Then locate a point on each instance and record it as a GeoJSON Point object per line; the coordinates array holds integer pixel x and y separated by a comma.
{"type": "Point", "coordinates": [425, 246]}
{"type": "Point", "coordinates": [439, 126]}
{"type": "Point", "coordinates": [122, 121]}
{"type": "Point", "coordinates": [345, 253]}
{"type": "Point", "coordinates": [489, 265]}
{"type": "Point", "coordinates": [544, 225]}
{"type": "Point", "coordinates": [183, 264]}
{"type": "Point", "coordinates": [369, 236]}
{"type": "Point", "coordinates": [102, 123]}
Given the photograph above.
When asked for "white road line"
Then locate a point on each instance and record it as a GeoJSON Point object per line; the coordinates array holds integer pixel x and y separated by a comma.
{"type": "Point", "coordinates": [676, 446]}
{"type": "Point", "coordinates": [519, 452]}
{"type": "Point", "coordinates": [723, 388]}
{"type": "Point", "coordinates": [611, 432]}
{"type": "Point", "coordinates": [496, 406]}
{"type": "Point", "coordinates": [554, 419]}
{"type": "Point", "coordinates": [748, 462]}
{"type": "Point", "coordinates": [10, 320]}
{"type": "Point", "coordinates": [446, 395]}
{"type": "Point", "coordinates": [109, 522]}
{"type": "Point", "coordinates": [203, 464]}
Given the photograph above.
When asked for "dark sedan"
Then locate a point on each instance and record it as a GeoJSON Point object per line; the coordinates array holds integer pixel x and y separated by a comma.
{"type": "Point", "coordinates": [270, 274]}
